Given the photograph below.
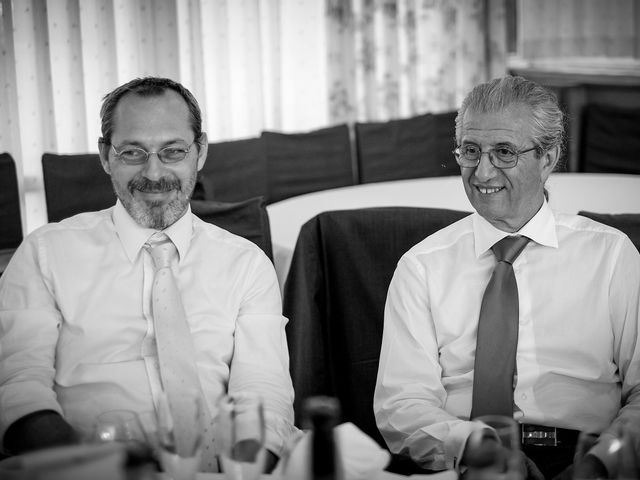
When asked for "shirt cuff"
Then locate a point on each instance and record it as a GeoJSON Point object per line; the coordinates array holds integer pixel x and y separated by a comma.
{"type": "Point", "coordinates": [278, 434]}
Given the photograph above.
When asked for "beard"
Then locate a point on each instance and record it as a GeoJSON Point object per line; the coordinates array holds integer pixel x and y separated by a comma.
{"type": "Point", "coordinates": [156, 214]}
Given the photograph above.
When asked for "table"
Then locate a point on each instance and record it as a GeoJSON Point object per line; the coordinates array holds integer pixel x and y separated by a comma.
{"type": "Point", "coordinates": [448, 475]}
{"type": "Point", "coordinates": [568, 192]}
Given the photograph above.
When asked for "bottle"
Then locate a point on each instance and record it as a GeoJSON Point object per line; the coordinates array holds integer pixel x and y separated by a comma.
{"type": "Point", "coordinates": [321, 415]}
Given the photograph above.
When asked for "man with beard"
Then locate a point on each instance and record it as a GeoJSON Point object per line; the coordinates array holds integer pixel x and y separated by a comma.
{"type": "Point", "coordinates": [77, 333]}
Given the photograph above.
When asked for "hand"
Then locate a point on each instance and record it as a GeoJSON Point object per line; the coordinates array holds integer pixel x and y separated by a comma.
{"type": "Point", "coordinates": [589, 466]}
{"type": "Point", "coordinates": [566, 474]}
{"type": "Point", "coordinates": [532, 470]}
{"type": "Point", "coordinates": [41, 429]}
{"type": "Point", "coordinates": [270, 461]}
{"type": "Point", "coordinates": [487, 451]}
{"type": "Point", "coordinates": [491, 452]}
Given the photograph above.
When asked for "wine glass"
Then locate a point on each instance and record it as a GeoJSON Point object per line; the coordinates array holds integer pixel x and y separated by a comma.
{"type": "Point", "coordinates": [118, 426]}
{"type": "Point", "coordinates": [123, 426]}
{"type": "Point", "coordinates": [179, 425]}
{"type": "Point", "coordinates": [240, 435]}
{"type": "Point", "coordinates": [494, 451]}
{"type": "Point", "coordinates": [625, 449]}
{"type": "Point", "coordinates": [623, 452]}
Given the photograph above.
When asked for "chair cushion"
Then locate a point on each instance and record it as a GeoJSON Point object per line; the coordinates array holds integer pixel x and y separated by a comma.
{"type": "Point", "coordinates": [628, 223]}
{"type": "Point", "coordinates": [75, 184]}
{"type": "Point", "coordinates": [611, 139]}
{"type": "Point", "coordinates": [10, 222]}
{"type": "Point", "coordinates": [414, 147]}
{"type": "Point", "coordinates": [248, 219]}
{"type": "Point", "coordinates": [300, 163]}
{"type": "Point", "coordinates": [234, 171]}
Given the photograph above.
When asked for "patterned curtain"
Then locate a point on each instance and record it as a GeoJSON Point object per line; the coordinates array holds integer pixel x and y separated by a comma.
{"type": "Point", "coordinates": [397, 58]}
{"type": "Point", "coordinates": [253, 65]}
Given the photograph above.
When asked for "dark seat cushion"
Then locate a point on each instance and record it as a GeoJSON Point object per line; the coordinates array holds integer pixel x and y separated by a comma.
{"type": "Point", "coordinates": [611, 138]}
{"type": "Point", "coordinates": [414, 147]}
{"type": "Point", "coordinates": [628, 223]}
{"type": "Point", "coordinates": [10, 222]}
{"type": "Point", "coordinates": [234, 171]}
{"type": "Point", "coordinates": [300, 163]}
{"type": "Point", "coordinates": [75, 184]}
{"type": "Point", "coordinates": [334, 297]}
{"type": "Point", "coordinates": [248, 219]}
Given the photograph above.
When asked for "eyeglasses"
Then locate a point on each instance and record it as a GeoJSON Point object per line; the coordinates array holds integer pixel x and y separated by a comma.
{"type": "Point", "coordinates": [500, 157]}
{"type": "Point", "coordinates": [139, 156]}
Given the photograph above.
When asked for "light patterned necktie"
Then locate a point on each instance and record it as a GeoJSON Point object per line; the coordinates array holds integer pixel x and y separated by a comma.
{"type": "Point", "coordinates": [495, 362]}
{"type": "Point", "coordinates": [176, 351]}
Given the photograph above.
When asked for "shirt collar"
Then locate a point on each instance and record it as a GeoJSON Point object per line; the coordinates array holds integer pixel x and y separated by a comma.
{"type": "Point", "coordinates": [133, 236]}
{"type": "Point", "coordinates": [541, 229]}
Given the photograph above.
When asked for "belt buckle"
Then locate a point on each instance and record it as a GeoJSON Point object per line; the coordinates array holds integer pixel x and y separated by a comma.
{"type": "Point", "coordinates": [539, 436]}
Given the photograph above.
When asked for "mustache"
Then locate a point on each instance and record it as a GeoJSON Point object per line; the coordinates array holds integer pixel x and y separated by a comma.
{"type": "Point", "coordinates": [159, 186]}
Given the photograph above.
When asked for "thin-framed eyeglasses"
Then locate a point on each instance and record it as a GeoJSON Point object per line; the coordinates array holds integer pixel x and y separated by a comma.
{"type": "Point", "coordinates": [502, 156]}
{"type": "Point", "coordinates": [138, 156]}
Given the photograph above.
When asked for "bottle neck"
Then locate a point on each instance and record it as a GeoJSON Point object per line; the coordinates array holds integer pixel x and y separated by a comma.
{"type": "Point", "coordinates": [323, 454]}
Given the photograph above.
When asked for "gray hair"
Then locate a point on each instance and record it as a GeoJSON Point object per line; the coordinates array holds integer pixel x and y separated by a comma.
{"type": "Point", "coordinates": [498, 94]}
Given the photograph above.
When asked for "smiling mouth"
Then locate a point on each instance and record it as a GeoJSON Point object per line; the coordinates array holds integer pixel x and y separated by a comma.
{"type": "Point", "coordinates": [154, 195]}
{"type": "Point", "coordinates": [489, 190]}
{"type": "Point", "coordinates": [152, 192]}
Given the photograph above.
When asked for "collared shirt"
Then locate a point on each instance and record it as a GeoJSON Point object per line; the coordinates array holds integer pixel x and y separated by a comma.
{"type": "Point", "coordinates": [76, 330]}
{"type": "Point", "coordinates": [578, 353]}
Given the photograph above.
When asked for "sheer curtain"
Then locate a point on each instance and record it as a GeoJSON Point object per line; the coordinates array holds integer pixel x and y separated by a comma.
{"type": "Point", "coordinates": [252, 64]}
{"type": "Point", "coordinates": [397, 58]}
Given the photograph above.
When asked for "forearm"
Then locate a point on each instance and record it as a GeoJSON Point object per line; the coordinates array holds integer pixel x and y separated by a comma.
{"type": "Point", "coordinates": [277, 398]}
{"type": "Point", "coordinates": [260, 365]}
{"type": "Point", "coordinates": [37, 430]}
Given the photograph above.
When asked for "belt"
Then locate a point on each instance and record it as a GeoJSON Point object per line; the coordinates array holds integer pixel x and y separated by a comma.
{"type": "Point", "coordinates": [543, 436]}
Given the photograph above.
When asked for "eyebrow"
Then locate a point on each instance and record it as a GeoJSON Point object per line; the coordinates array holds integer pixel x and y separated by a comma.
{"type": "Point", "coordinates": [163, 145]}
{"type": "Point", "coordinates": [500, 142]}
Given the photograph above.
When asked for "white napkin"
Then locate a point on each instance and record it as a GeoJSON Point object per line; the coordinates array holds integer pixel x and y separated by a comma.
{"type": "Point", "coordinates": [359, 455]}
{"type": "Point", "coordinates": [76, 462]}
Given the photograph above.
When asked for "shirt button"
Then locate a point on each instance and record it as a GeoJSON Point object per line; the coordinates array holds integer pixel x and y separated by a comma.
{"type": "Point", "coordinates": [523, 396]}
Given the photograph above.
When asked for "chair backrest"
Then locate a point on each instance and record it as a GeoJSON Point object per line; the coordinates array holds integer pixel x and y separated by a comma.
{"type": "Point", "coordinates": [611, 136]}
{"type": "Point", "coordinates": [300, 163]}
{"type": "Point", "coordinates": [248, 219]}
{"type": "Point", "coordinates": [10, 222]}
{"type": "Point", "coordinates": [75, 184]}
{"type": "Point", "coordinates": [334, 297]}
{"type": "Point", "coordinates": [628, 223]}
{"type": "Point", "coordinates": [234, 171]}
{"type": "Point", "coordinates": [414, 147]}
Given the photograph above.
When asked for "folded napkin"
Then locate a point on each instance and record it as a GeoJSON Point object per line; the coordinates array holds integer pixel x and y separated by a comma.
{"type": "Point", "coordinates": [76, 462]}
{"type": "Point", "coordinates": [359, 455]}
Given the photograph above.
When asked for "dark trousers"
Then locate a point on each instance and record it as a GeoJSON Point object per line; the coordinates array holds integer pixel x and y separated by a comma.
{"type": "Point", "coordinates": [550, 460]}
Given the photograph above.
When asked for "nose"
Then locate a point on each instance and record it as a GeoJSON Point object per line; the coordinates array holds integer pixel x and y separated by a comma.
{"type": "Point", "coordinates": [153, 168]}
{"type": "Point", "coordinates": [485, 170]}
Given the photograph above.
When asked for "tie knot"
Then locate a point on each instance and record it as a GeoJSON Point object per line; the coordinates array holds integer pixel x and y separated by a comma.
{"type": "Point", "coordinates": [162, 250]}
{"type": "Point", "coordinates": [508, 249]}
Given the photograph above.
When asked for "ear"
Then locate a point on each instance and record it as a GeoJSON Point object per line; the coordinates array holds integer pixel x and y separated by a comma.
{"type": "Point", "coordinates": [103, 151]}
{"type": "Point", "coordinates": [549, 161]}
{"type": "Point", "coordinates": [203, 148]}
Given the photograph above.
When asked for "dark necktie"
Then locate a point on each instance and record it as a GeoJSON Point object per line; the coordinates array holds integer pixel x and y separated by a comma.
{"type": "Point", "coordinates": [495, 362]}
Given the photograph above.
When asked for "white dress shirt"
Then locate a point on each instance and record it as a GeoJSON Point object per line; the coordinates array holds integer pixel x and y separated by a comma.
{"type": "Point", "coordinates": [578, 353]}
{"type": "Point", "coordinates": [76, 331]}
